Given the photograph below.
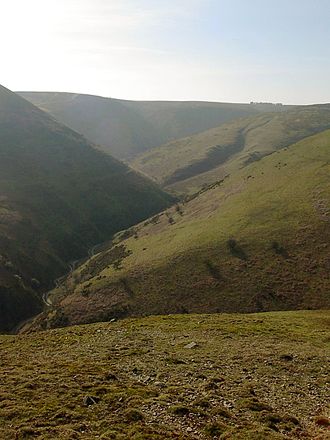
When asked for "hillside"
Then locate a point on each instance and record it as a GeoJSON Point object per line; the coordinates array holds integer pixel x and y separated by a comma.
{"type": "Point", "coordinates": [59, 196]}
{"type": "Point", "coordinates": [186, 165]}
{"type": "Point", "coordinates": [257, 241]}
{"type": "Point", "coordinates": [127, 128]}
{"type": "Point", "coordinates": [236, 377]}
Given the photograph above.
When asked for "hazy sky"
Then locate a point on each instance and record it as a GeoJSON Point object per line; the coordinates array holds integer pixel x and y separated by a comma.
{"type": "Point", "coordinates": [218, 50]}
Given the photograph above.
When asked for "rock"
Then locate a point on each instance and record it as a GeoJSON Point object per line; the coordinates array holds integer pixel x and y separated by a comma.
{"type": "Point", "coordinates": [91, 400]}
{"type": "Point", "coordinates": [110, 377]}
{"type": "Point", "coordinates": [191, 345]}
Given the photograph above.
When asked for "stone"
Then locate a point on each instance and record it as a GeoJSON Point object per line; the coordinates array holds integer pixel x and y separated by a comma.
{"type": "Point", "coordinates": [191, 345]}
{"type": "Point", "coordinates": [91, 400]}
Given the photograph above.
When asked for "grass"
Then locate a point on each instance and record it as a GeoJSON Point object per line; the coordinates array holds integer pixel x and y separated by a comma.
{"type": "Point", "coordinates": [235, 384]}
{"type": "Point", "coordinates": [219, 254]}
{"type": "Point", "coordinates": [186, 165]}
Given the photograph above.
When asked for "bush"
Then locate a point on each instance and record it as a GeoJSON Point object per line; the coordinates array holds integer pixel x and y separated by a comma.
{"type": "Point", "coordinates": [126, 287]}
{"type": "Point", "coordinates": [213, 270]}
{"type": "Point", "coordinates": [179, 210]}
{"type": "Point", "coordinates": [236, 250]}
{"type": "Point", "coordinates": [279, 250]}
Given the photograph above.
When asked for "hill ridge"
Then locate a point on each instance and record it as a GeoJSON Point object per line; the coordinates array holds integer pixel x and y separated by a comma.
{"type": "Point", "coordinates": [59, 196]}
{"type": "Point", "coordinates": [185, 165]}
{"type": "Point", "coordinates": [124, 128]}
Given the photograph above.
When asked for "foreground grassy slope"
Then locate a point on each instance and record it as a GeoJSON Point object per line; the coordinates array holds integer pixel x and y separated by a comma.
{"type": "Point", "coordinates": [258, 241]}
{"type": "Point", "coordinates": [246, 377]}
{"type": "Point", "coordinates": [188, 164]}
{"type": "Point", "coordinates": [127, 128]}
{"type": "Point", "coordinates": [59, 196]}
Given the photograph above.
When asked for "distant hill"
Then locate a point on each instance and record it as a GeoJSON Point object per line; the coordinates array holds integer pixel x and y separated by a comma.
{"type": "Point", "coordinates": [59, 195]}
{"type": "Point", "coordinates": [127, 128]}
{"type": "Point", "coordinates": [257, 241]}
{"type": "Point", "coordinates": [186, 165]}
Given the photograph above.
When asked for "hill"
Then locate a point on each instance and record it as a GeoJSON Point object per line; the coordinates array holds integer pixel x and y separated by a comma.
{"type": "Point", "coordinates": [186, 165]}
{"type": "Point", "coordinates": [59, 196]}
{"type": "Point", "coordinates": [238, 377]}
{"type": "Point", "coordinates": [257, 241]}
{"type": "Point", "coordinates": [127, 128]}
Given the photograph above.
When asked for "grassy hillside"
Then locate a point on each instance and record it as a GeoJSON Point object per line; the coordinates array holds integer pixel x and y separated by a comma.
{"type": "Point", "coordinates": [235, 377]}
{"type": "Point", "coordinates": [127, 128]}
{"type": "Point", "coordinates": [59, 196]}
{"type": "Point", "coordinates": [258, 241]}
{"type": "Point", "coordinates": [186, 165]}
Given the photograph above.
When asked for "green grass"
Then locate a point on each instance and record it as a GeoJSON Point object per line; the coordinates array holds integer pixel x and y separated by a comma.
{"type": "Point", "coordinates": [259, 376]}
{"type": "Point", "coordinates": [276, 211]}
{"type": "Point", "coordinates": [186, 165]}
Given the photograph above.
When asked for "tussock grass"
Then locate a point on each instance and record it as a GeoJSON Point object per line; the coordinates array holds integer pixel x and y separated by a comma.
{"type": "Point", "coordinates": [114, 381]}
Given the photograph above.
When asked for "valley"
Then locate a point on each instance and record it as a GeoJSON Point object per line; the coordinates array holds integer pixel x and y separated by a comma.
{"type": "Point", "coordinates": [258, 241]}
{"type": "Point", "coordinates": [165, 220]}
{"type": "Point", "coordinates": [190, 306]}
{"type": "Point", "coordinates": [60, 195]}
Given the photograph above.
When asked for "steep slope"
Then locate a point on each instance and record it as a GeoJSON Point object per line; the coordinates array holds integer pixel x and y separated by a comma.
{"type": "Point", "coordinates": [127, 128]}
{"type": "Point", "coordinates": [59, 196]}
{"type": "Point", "coordinates": [258, 241]}
{"type": "Point", "coordinates": [247, 377]}
{"type": "Point", "coordinates": [188, 164]}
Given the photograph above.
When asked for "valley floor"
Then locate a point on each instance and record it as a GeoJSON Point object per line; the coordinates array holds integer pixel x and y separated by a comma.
{"type": "Point", "coordinates": [258, 376]}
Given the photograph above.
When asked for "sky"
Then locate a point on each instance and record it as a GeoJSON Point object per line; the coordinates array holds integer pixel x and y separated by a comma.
{"type": "Point", "coordinates": [211, 50]}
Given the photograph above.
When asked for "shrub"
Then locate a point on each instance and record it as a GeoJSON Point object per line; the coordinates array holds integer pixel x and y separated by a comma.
{"type": "Point", "coordinates": [213, 270]}
{"type": "Point", "coordinates": [279, 250]}
{"type": "Point", "coordinates": [236, 250]}
{"type": "Point", "coordinates": [126, 286]}
{"type": "Point", "coordinates": [179, 210]}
